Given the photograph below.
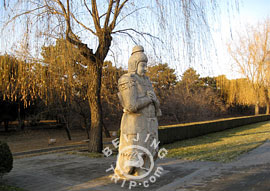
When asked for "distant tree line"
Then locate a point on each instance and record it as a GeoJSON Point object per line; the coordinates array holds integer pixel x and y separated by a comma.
{"type": "Point", "coordinates": [53, 89]}
{"type": "Point", "coordinates": [101, 22]}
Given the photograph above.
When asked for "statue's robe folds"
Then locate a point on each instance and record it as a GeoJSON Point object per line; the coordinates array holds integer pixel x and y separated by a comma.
{"type": "Point", "coordinates": [139, 125]}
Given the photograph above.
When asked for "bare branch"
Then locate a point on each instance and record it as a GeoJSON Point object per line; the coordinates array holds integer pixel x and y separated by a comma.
{"type": "Point", "coordinates": [62, 7]}
{"type": "Point", "coordinates": [112, 25]}
{"type": "Point", "coordinates": [88, 9]}
{"type": "Point", "coordinates": [117, 12]}
{"type": "Point", "coordinates": [68, 10]}
{"type": "Point", "coordinates": [130, 36]}
{"type": "Point", "coordinates": [104, 14]}
{"type": "Point", "coordinates": [68, 29]}
{"type": "Point", "coordinates": [21, 14]}
{"type": "Point", "coordinates": [67, 17]}
{"type": "Point", "coordinates": [143, 34]}
{"type": "Point", "coordinates": [95, 15]}
{"type": "Point", "coordinates": [122, 5]}
{"type": "Point", "coordinates": [108, 15]}
{"type": "Point", "coordinates": [130, 14]}
{"type": "Point", "coordinates": [84, 26]}
{"type": "Point", "coordinates": [53, 10]}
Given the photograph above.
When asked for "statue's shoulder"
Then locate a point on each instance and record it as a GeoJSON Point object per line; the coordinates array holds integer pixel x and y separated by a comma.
{"type": "Point", "coordinates": [129, 77]}
{"type": "Point", "coordinates": [126, 81]}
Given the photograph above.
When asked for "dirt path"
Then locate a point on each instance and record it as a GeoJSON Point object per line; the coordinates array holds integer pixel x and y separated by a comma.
{"type": "Point", "coordinates": [79, 173]}
{"type": "Point", "coordinates": [28, 140]}
{"type": "Point", "coordinates": [250, 172]}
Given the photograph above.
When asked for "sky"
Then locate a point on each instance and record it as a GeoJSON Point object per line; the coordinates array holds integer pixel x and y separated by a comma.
{"type": "Point", "coordinates": [250, 12]}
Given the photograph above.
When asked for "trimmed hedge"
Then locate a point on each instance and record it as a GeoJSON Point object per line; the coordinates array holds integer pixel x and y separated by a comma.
{"type": "Point", "coordinates": [6, 159]}
{"type": "Point", "coordinates": [172, 133]}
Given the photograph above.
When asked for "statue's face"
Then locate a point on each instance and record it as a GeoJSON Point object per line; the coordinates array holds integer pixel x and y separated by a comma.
{"type": "Point", "coordinates": [142, 68]}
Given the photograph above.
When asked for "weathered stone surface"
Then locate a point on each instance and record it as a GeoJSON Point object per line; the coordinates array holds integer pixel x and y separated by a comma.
{"type": "Point", "coordinates": [139, 125]}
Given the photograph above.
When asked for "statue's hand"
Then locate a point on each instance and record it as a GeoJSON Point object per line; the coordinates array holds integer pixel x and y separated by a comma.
{"type": "Point", "coordinates": [152, 96]}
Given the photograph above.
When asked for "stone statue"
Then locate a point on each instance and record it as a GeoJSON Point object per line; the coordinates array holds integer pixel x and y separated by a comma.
{"type": "Point", "coordinates": [139, 125]}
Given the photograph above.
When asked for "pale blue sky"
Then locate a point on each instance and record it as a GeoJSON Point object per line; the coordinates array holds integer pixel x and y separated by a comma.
{"type": "Point", "coordinates": [255, 9]}
{"type": "Point", "coordinates": [250, 12]}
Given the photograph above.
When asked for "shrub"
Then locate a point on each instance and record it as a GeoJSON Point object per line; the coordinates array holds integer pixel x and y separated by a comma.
{"type": "Point", "coordinates": [6, 159]}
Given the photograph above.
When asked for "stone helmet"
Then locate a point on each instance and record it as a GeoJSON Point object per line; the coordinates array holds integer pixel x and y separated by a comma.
{"type": "Point", "coordinates": [136, 57]}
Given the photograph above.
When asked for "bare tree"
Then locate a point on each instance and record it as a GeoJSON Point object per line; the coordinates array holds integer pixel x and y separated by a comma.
{"type": "Point", "coordinates": [267, 82]}
{"type": "Point", "coordinates": [78, 21]}
{"type": "Point", "coordinates": [250, 53]}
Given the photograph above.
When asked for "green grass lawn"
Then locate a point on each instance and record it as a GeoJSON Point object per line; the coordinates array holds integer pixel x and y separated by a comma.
{"type": "Point", "coordinates": [222, 146]}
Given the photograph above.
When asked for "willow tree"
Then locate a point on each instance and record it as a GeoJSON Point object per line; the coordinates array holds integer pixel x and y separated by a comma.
{"type": "Point", "coordinates": [18, 80]}
{"type": "Point", "coordinates": [249, 53]}
{"type": "Point", "coordinates": [90, 26]}
{"type": "Point", "coordinates": [240, 91]}
{"type": "Point", "coordinates": [64, 71]}
{"type": "Point", "coordinates": [267, 82]}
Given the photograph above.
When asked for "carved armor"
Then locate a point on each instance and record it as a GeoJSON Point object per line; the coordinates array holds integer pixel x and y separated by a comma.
{"type": "Point", "coordinates": [139, 125]}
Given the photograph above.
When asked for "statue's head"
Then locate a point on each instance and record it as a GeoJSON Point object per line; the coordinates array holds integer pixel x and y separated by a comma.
{"type": "Point", "coordinates": [136, 57]}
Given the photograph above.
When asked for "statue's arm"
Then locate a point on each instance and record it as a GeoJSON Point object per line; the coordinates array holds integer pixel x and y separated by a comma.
{"type": "Point", "coordinates": [129, 97]}
{"type": "Point", "coordinates": [152, 94]}
{"type": "Point", "coordinates": [156, 102]}
{"type": "Point", "coordinates": [143, 102]}
{"type": "Point", "coordinates": [154, 98]}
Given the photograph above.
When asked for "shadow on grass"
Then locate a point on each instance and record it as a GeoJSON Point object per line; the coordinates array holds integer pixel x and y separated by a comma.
{"type": "Point", "coordinates": [218, 136]}
{"type": "Point", "coordinates": [221, 146]}
{"type": "Point", "coordinates": [263, 132]}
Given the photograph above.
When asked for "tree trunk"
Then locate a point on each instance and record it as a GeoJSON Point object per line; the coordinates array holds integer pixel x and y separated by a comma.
{"type": "Point", "coordinates": [267, 108]}
{"type": "Point", "coordinates": [106, 131]}
{"type": "Point", "coordinates": [257, 109]}
{"type": "Point", "coordinates": [6, 125]}
{"type": "Point", "coordinates": [68, 130]}
{"type": "Point", "coordinates": [20, 121]}
{"type": "Point", "coordinates": [64, 120]}
{"type": "Point", "coordinates": [87, 128]}
{"type": "Point", "coordinates": [94, 86]}
{"type": "Point", "coordinates": [267, 101]}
